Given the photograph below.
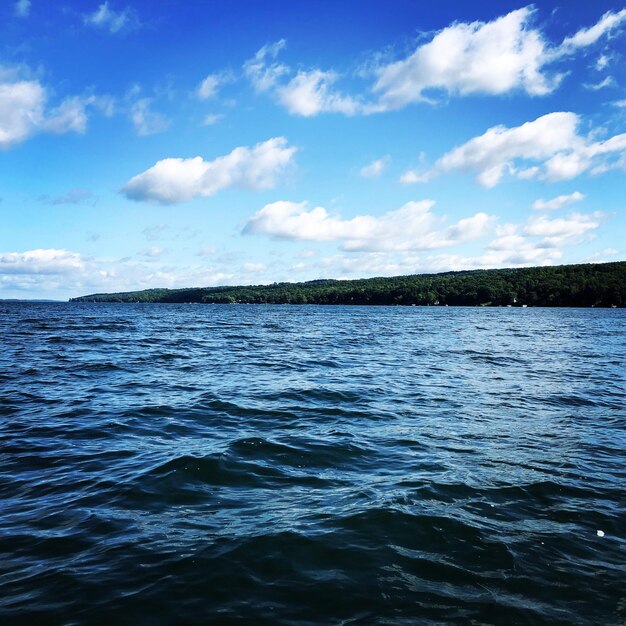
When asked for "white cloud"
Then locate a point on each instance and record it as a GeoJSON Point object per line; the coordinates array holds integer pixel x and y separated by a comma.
{"type": "Point", "coordinates": [515, 245]}
{"type": "Point", "coordinates": [556, 232]}
{"type": "Point", "coordinates": [603, 255]}
{"type": "Point", "coordinates": [588, 36]}
{"type": "Point", "coordinates": [40, 261]}
{"type": "Point", "coordinates": [608, 81]}
{"type": "Point", "coordinates": [308, 93]}
{"type": "Point", "coordinates": [375, 168]}
{"type": "Point", "coordinates": [22, 8]}
{"type": "Point", "coordinates": [593, 156]}
{"type": "Point", "coordinates": [548, 148]}
{"type": "Point", "coordinates": [411, 227]}
{"type": "Point", "coordinates": [176, 180]}
{"type": "Point", "coordinates": [23, 111]}
{"type": "Point", "coordinates": [262, 74]}
{"type": "Point", "coordinates": [620, 103]}
{"type": "Point", "coordinates": [211, 119]}
{"type": "Point", "coordinates": [492, 58]}
{"type": "Point", "coordinates": [70, 115]}
{"type": "Point", "coordinates": [63, 273]}
{"type": "Point", "coordinates": [538, 242]}
{"type": "Point", "coordinates": [411, 177]}
{"type": "Point", "coordinates": [557, 203]}
{"type": "Point", "coordinates": [210, 86]}
{"type": "Point", "coordinates": [394, 264]}
{"type": "Point", "coordinates": [146, 121]}
{"type": "Point", "coordinates": [602, 62]}
{"type": "Point", "coordinates": [507, 54]}
{"type": "Point", "coordinates": [111, 20]}
{"type": "Point", "coordinates": [254, 268]}
{"type": "Point", "coordinates": [488, 58]}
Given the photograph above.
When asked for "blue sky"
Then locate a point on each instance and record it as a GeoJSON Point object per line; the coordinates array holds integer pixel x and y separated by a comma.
{"type": "Point", "coordinates": [172, 144]}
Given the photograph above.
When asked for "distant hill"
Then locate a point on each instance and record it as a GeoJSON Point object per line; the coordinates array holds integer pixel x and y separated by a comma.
{"type": "Point", "coordinates": [594, 284]}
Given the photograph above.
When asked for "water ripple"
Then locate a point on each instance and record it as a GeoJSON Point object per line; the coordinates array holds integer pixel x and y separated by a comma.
{"type": "Point", "coordinates": [168, 464]}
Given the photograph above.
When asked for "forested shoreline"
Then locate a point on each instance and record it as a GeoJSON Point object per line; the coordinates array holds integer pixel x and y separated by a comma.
{"type": "Point", "coordinates": [587, 285]}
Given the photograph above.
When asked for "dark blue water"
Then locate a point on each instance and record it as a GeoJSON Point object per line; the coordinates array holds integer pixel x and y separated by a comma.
{"type": "Point", "coordinates": [166, 464]}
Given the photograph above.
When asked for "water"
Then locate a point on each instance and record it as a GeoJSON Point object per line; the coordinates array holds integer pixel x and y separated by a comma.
{"type": "Point", "coordinates": [166, 464]}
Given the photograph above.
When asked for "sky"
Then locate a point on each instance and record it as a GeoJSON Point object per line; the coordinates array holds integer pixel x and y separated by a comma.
{"type": "Point", "coordinates": [188, 144]}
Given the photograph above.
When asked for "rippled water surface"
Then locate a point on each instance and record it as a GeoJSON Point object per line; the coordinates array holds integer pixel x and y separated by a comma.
{"type": "Point", "coordinates": [165, 464]}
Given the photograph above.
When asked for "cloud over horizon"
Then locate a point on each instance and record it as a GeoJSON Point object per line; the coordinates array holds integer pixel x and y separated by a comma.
{"type": "Point", "coordinates": [411, 227]}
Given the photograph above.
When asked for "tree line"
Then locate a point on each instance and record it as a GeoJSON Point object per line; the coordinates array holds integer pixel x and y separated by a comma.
{"type": "Point", "coordinates": [586, 285]}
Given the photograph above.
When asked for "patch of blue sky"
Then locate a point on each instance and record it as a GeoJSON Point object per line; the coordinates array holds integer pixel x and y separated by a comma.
{"type": "Point", "coordinates": [173, 144]}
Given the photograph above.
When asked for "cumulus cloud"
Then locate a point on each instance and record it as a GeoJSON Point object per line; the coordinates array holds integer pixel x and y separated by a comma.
{"type": "Point", "coordinates": [24, 111]}
{"type": "Point", "coordinates": [508, 54]}
{"type": "Point", "coordinates": [308, 93]}
{"type": "Point", "coordinates": [556, 232]}
{"type": "Point", "coordinates": [539, 241]}
{"type": "Point", "coordinates": [22, 8]}
{"type": "Point", "coordinates": [176, 180]}
{"type": "Point", "coordinates": [114, 21]}
{"type": "Point", "coordinates": [557, 203]}
{"type": "Point", "coordinates": [375, 168]}
{"type": "Point", "coordinates": [413, 226]}
{"type": "Point", "coordinates": [40, 261]}
{"type": "Point", "coordinates": [146, 121]}
{"type": "Point", "coordinates": [492, 58]}
{"type": "Point", "coordinates": [548, 148]}
{"type": "Point", "coordinates": [393, 264]}
{"type": "Point", "coordinates": [22, 106]}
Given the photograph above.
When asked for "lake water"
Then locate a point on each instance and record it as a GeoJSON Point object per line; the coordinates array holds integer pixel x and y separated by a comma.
{"type": "Point", "coordinates": [165, 464]}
